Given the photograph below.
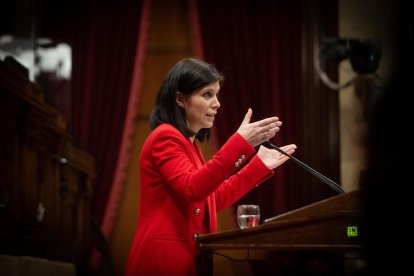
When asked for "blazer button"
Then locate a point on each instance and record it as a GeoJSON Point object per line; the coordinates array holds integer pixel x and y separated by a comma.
{"type": "Point", "coordinates": [197, 211]}
{"type": "Point", "coordinates": [196, 235]}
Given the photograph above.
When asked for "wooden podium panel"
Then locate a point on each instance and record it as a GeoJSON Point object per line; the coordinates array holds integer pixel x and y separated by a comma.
{"type": "Point", "coordinates": [328, 228]}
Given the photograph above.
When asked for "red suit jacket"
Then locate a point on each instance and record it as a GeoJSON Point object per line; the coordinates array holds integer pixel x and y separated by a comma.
{"type": "Point", "coordinates": [180, 195]}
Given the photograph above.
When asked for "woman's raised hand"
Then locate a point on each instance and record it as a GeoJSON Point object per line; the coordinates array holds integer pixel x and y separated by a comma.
{"type": "Point", "coordinates": [272, 158]}
{"type": "Point", "coordinates": [260, 131]}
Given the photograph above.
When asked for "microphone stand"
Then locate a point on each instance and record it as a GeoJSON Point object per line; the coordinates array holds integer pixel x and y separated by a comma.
{"type": "Point", "coordinates": [320, 176]}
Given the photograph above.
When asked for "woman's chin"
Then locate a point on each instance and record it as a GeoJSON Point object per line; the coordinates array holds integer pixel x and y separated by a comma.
{"type": "Point", "coordinates": [209, 125]}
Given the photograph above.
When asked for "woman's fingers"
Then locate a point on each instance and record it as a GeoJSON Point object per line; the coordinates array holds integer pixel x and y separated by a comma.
{"type": "Point", "coordinates": [289, 148]}
{"type": "Point", "coordinates": [260, 131]}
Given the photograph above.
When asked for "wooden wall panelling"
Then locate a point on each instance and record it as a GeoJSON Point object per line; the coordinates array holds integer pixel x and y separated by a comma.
{"type": "Point", "coordinates": [45, 181]}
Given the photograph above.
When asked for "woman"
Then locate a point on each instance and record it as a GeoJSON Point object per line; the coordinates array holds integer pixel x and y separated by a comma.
{"type": "Point", "coordinates": [180, 192]}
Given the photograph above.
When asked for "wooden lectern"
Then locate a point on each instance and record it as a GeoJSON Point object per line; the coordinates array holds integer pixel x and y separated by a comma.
{"type": "Point", "coordinates": [318, 239]}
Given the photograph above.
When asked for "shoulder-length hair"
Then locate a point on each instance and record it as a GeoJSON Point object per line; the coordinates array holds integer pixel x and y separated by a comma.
{"type": "Point", "coordinates": [185, 77]}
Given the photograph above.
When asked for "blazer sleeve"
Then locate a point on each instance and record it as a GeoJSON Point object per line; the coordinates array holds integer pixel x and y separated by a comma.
{"type": "Point", "coordinates": [170, 152]}
{"type": "Point", "coordinates": [249, 177]}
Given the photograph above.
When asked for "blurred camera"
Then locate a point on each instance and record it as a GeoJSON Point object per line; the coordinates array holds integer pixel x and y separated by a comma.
{"type": "Point", "coordinates": [364, 55]}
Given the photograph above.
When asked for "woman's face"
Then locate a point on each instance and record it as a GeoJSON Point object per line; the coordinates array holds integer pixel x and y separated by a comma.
{"type": "Point", "coordinates": [201, 106]}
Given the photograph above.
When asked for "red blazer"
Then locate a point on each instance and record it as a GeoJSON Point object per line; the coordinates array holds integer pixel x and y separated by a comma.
{"type": "Point", "coordinates": [180, 195]}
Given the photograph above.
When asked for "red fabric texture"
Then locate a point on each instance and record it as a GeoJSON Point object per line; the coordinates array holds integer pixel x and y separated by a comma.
{"type": "Point", "coordinates": [176, 178]}
{"type": "Point", "coordinates": [129, 125]}
{"type": "Point", "coordinates": [257, 46]}
{"type": "Point", "coordinates": [103, 64]}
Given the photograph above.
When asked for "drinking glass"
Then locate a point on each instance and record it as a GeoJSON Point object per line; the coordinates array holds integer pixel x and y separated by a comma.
{"type": "Point", "coordinates": [248, 215]}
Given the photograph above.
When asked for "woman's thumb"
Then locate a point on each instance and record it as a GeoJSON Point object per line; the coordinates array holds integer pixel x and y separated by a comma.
{"type": "Point", "coordinates": [248, 116]}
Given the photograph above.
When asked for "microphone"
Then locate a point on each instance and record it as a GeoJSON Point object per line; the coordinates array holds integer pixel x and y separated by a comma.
{"type": "Point", "coordinates": [320, 176]}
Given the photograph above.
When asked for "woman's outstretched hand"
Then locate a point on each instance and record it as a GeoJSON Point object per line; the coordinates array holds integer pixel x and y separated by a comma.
{"type": "Point", "coordinates": [260, 131]}
{"type": "Point", "coordinates": [272, 158]}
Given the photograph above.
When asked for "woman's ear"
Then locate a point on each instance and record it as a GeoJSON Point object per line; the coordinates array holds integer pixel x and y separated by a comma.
{"type": "Point", "coordinates": [179, 98]}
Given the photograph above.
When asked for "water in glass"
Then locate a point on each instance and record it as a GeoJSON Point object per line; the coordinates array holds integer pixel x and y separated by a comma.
{"type": "Point", "coordinates": [248, 216]}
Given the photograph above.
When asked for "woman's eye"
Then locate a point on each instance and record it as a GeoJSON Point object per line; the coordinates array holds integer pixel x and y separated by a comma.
{"type": "Point", "coordinates": [207, 95]}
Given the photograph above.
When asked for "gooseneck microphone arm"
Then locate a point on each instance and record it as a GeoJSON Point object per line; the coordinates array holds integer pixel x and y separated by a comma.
{"type": "Point", "coordinates": [327, 181]}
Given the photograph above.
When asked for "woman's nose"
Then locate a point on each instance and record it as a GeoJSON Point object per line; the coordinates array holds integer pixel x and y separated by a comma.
{"type": "Point", "coordinates": [216, 104]}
